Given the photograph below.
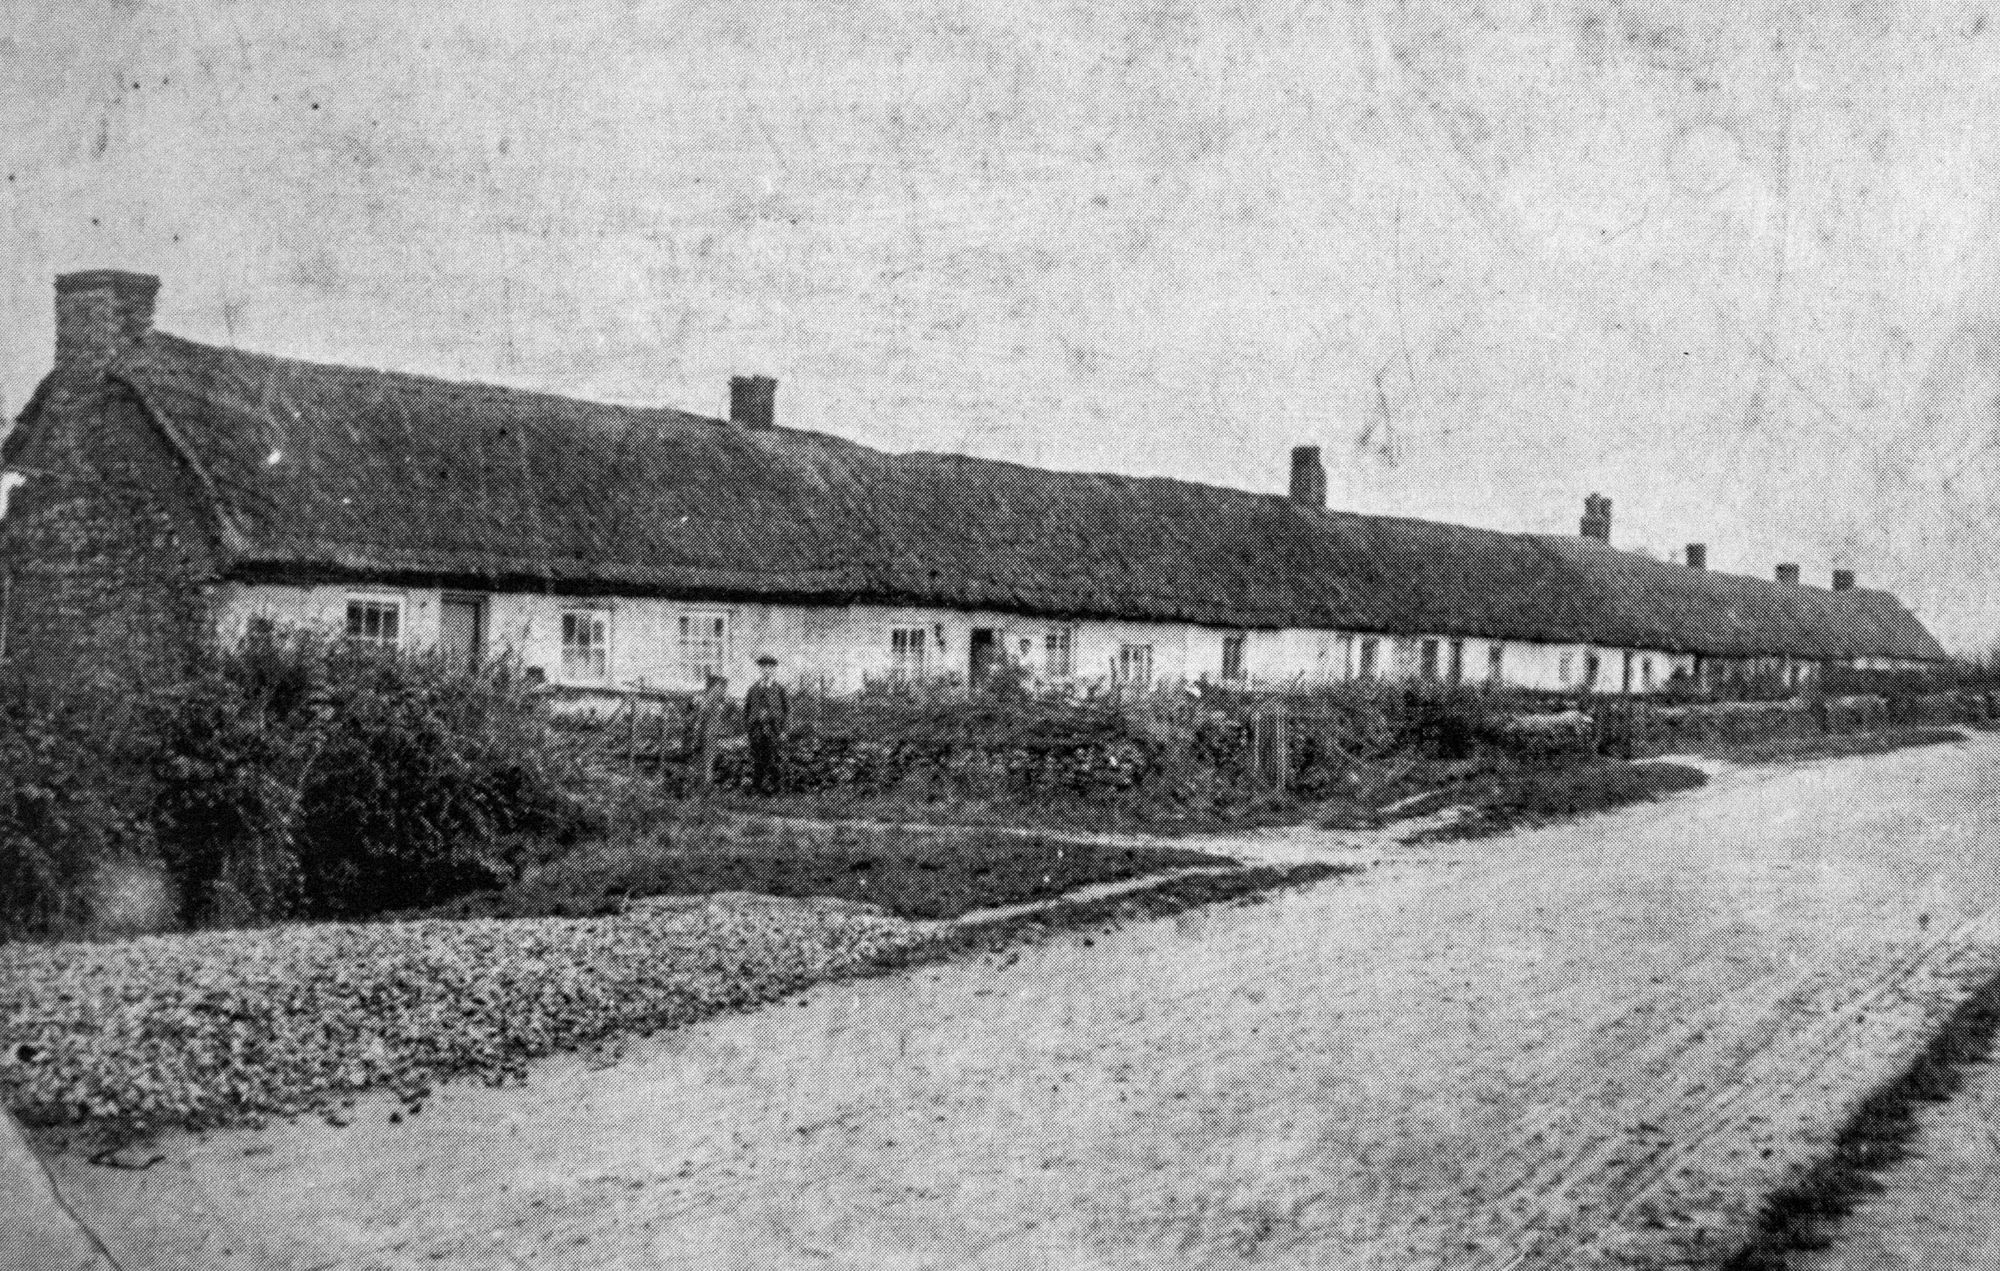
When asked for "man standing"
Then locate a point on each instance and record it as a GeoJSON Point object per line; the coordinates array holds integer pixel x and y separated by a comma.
{"type": "Point", "coordinates": [766, 711]}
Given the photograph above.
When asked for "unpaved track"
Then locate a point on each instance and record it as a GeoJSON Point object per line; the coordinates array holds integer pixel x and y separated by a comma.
{"type": "Point", "coordinates": [1594, 1045]}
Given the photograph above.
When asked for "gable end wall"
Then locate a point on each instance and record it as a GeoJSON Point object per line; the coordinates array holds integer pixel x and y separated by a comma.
{"type": "Point", "coordinates": [105, 554]}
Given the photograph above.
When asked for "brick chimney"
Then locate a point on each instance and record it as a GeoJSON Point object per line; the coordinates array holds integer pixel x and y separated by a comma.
{"type": "Point", "coordinates": [1788, 574]}
{"type": "Point", "coordinates": [1597, 518]}
{"type": "Point", "coordinates": [100, 313]}
{"type": "Point", "coordinates": [1697, 555]}
{"type": "Point", "coordinates": [753, 401]}
{"type": "Point", "coordinates": [1308, 477]}
{"type": "Point", "coordinates": [1843, 580]}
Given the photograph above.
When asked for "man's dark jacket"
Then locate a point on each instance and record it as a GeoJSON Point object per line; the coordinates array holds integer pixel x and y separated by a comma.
{"type": "Point", "coordinates": [766, 709]}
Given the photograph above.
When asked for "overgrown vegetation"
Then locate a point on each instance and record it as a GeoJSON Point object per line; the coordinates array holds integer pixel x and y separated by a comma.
{"type": "Point", "coordinates": [299, 777]}
{"type": "Point", "coordinates": [1170, 758]}
{"type": "Point", "coordinates": [293, 777]}
{"type": "Point", "coordinates": [289, 777]}
{"type": "Point", "coordinates": [66, 815]}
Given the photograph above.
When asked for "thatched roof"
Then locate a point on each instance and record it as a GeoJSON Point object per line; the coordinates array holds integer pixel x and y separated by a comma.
{"type": "Point", "coordinates": [340, 472]}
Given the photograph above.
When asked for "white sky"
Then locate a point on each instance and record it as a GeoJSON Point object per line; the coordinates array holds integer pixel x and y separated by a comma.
{"type": "Point", "coordinates": [1733, 265]}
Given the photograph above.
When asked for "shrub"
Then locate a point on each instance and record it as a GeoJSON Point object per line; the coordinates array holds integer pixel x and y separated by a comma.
{"type": "Point", "coordinates": [1445, 721]}
{"type": "Point", "coordinates": [298, 776]}
{"type": "Point", "coordinates": [65, 815]}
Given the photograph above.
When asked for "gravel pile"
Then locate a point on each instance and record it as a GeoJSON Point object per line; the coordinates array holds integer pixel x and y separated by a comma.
{"type": "Point", "coordinates": [220, 1025]}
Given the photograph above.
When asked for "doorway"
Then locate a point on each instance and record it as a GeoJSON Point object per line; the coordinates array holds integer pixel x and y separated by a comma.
{"type": "Point", "coordinates": [462, 631]}
{"type": "Point", "coordinates": [985, 656]}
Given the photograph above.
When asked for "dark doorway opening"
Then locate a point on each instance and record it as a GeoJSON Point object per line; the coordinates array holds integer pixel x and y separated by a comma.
{"type": "Point", "coordinates": [985, 655]}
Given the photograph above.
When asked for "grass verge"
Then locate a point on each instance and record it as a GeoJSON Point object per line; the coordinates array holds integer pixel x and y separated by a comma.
{"type": "Point", "coordinates": [1535, 797]}
{"type": "Point", "coordinates": [918, 874]}
{"type": "Point", "coordinates": [1790, 749]}
{"type": "Point", "coordinates": [1247, 884]}
{"type": "Point", "coordinates": [1804, 1214]}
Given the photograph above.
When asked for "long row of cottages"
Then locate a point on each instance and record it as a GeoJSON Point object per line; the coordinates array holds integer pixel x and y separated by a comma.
{"type": "Point", "coordinates": [158, 491]}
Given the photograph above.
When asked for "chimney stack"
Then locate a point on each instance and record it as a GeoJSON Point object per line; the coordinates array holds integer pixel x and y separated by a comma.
{"type": "Point", "coordinates": [1597, 518]}
{"type": "Point", "coordinates": [100, 313]}
{"type": "Point", "coordinates": [1843, 580]}
{"type": "Point", "coordinates": [753, 401]}
{"type": "Point", "coordinates": [1308, 477]}
{"type": "Point", "coordinates": [1697, 556]}
{"type": "Point", "coordinates": [1788, 574]}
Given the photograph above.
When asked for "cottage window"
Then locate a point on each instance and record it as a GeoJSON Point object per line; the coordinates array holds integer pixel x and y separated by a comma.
{"type": "Point", "coordinates": [1371, 657]}
{"type": "Point", "coordinates": [1059, 652]}
{"type": "Point", "coordinates": [1496, 662]}
{"type": "Point", "coordinates": [1591, 665]}
{"type": "Point", "coordinates": [704, 645]}
{"type": "Point", "coordinates": [1232, 655]}
{"type": "Point", "coordinates": [1135, 663]}
{"type": "Point", "coordinates": [1427, 659]}
{"type": "Point", "coordinates": [1646, 673]}
{"type": "Point", "coordinates": [376, 622]}
{"type": "Point", "coordinates": [906, 652]}
{"type": "Point", "coordinates": [586, 644]}
{"type": "Point", "coordinates": [1455, 669]}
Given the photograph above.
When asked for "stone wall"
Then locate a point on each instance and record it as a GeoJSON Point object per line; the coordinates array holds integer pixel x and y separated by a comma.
{"type": "Point", "coordinates": [104, 553]}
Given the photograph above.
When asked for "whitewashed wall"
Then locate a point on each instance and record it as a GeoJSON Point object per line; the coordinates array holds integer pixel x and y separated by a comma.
{"type": "Point", "coordinates": [844, 647]}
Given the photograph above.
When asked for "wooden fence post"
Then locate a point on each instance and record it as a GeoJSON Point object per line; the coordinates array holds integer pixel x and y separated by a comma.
{"type": "Point", "coordinates": [632, 733]}
{"type": "Point", "coordinates": [711, 702]}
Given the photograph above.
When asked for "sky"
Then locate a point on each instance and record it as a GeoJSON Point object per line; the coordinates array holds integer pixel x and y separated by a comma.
{"type": "Point", "coordinates": [1732, 265]}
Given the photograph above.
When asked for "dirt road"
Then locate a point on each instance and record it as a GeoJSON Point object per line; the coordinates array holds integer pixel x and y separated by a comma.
{"type": "Point", "coordinates": [1594, 1045]}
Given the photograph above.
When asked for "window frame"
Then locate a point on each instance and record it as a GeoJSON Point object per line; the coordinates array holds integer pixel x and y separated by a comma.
{"type": "Point", "coordinates": [597, 642]}
{"type": "Point", "coordinates": [1128, 654]}
{"type": "Point", "coordinates": [722, 644]}
{"type": "Point", "coordinates": [910, 661]}
{"type": "Point", "coordinates": [1496, 663]}
{"type": "Point", "coordinates": [1429, 658]}
{"type": "Point", "coordinates": [1063, 639]}
{"type": "Point", "coordinates": [382, 604]}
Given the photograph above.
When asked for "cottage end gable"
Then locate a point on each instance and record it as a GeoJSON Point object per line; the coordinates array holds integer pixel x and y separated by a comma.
{"type": "Point", "coordinates": [107, 544]}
